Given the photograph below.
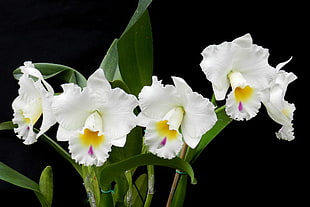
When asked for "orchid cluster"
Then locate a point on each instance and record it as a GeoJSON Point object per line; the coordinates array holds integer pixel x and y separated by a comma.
{"type": "Point", "coordinates": [114, 124]}
{"type": "Point", "coordinates": [95, 117]}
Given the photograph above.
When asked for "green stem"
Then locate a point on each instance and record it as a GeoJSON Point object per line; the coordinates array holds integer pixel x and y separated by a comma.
{"type": "Point", "coordinates": [151, 182]}
{"type": "Point", "coordinates": [128, 197]}
{"type": "Point", "coordinates": [219, 109]}
{"type": "Point", "coordinates": [106, 200]}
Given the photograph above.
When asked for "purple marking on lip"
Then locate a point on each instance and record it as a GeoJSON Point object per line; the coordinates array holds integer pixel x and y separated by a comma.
{"type": "Point", "coordinates": [240, 106]}
{"type": "Point", "coordinates": [163, 142]}
{"type": "Point", "coordinates": [90, 151]}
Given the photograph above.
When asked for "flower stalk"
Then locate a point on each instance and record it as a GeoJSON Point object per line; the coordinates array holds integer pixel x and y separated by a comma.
{"type": "Point", "coordinates": [176, 177]}
{"type": "Point", "coordinates": [150, 184]}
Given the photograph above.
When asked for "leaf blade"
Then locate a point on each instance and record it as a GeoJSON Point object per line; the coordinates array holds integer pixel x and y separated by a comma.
{"type": "Point", "coordinates": [141, 8]}
{"type": "Point", "coordinates": [109, 172]}
{"type": "Point", "coordinates": [62, 72]}
{"type": "Point", "coordinates": [135, 54]}
{"type": "Point", "coordinates": [8, 125]}
{"type": "Point", "coordinates": [12, 176]}
{"type": "Point", "coordinates": [46, 185]}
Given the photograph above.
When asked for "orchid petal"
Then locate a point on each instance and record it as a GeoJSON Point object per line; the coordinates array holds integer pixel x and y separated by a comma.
{"type": "Point", "coordinates": [282, 115]}
{"type": "Point", "coordinates": [199, 113]}
{"type": "Point", "coordinates": [198, 119]}
{"type": "Point", "coordinates": [49, 118]}
{"type": "Point", "coordinates": [244, 41]}
{"type": "Point", "coordinates": [119, 141]}
{"type": "Point", "coordinates": [63, 134]}
{"type": "Point", "coordinates": [160, 145]}
{"type": "Point", "coordinates": [243, 110]}
{"type": "Point", "coordinates": [254, 66]}
{"type": "Point", "coordinates": [156, 100]}
{"type": "Point", "coordinates": [181, 86]}
{"type": "Point", "coordinates": [118, 116]}
{"type": "Point", "coordinates": [72, 107]}
{"type": "Point", "coordinates": [281, 65]}
{"type": "Point", "coordinates": [286, 133]}
{"type": "Point", "coordinates": [216, 64]}
{"type": "Point", "coordinates": [24, 129]}
{"type": "Point", "coordinates": [97, 82]}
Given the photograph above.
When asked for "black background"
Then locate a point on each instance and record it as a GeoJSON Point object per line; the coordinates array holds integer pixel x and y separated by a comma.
{"type": "Point", "coordinates": [244, 165]}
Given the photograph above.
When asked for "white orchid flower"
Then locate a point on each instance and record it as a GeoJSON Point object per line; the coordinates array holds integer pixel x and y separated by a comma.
{"type": "Point", "coordinates": [243, 66]}
{"type": "Point", "coordinates": [34, 99]}
{"type": "Point", "coordinates": [279, 109]}
{"type": "Point", "coordinates": [172, 114]}
{"type": "Point", "coordinates": [94, 118]}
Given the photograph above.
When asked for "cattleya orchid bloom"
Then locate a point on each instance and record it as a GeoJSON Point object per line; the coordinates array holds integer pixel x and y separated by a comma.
{"type": "Point", "coordinates": [279, 109]}
{"type": "Point", "coordinates": [34, 98]}
{"type": "Point", "coordinates": [94, 118]}
{"type": "Point", "coordinates": [243, 66]}
{"type": "Point", "coordinates": [172, 114]}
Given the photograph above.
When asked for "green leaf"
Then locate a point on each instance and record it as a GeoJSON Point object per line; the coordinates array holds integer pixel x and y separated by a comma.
{"type": "Point", "coordinates": [12, 176]}
{"type": "Point", "coordinates": [135, 53]}
{"type": "Point", "coordinates": [132, 147]}
{"type": "Point", "coordinates": [121, 188]}
{"type": "Point", "coordinates": [46, 184]}
{"type": "Point", "coordinates": [141, 8]}
{"type": "Point", "coordinates": [64, 73]}
{"type": "Point", "coordinates": [128, 63]}
{"type": "Point", "coordinates": [139, 191]}
{"type": "Point", "coordinates": [222, 121]}
{"type": "Point", "coordinates": [42, 199]}
{"type": "Point", "coordinates": [111, 171]}
{"type": "Point", "coordinates": [109, 63]}
{"type": "Point", "coordinates": [120, 84]}
{"type": "Point", "coordinates": [110, 67]}
{"type": "Point", "coordinates": [8, 125]}
{"type": "Point", "coordinates": [134, 142]}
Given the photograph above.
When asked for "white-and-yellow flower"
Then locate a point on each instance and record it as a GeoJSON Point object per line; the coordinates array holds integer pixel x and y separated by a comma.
{"type": "Point", "coordinates": [277, 107]}
{"type": "Point", "coordinates": [34, 98]}
{"type": "Point", "coordinates": [244, 67]}
{"type": "Point", "coordinates": [172, 114]}
{"type": "Point", "coordinates": [94, 118]}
